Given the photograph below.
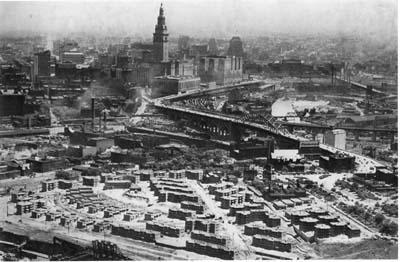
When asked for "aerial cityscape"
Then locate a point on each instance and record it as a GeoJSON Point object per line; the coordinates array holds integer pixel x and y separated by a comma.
{"type": "Point", "coordinates": [198, 130]}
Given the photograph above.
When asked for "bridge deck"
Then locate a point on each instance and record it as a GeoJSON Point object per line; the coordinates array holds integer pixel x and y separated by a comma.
{"type": "Point", "coordinates": [359, 85]}
{"type": "Point", "coordinates": [365, 163]}
{"type": "Point", "coordinates": [232, 120]}
{"type": "Point", "coordinates": [206, 91]}
{"type": "Point", "coordinates": [362, 161]}
{"type": "Point", "coordinates": [313, 125]}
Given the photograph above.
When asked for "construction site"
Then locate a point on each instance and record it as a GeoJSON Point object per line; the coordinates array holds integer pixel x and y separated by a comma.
{"type": "Point", "coordinates": [167, 215]}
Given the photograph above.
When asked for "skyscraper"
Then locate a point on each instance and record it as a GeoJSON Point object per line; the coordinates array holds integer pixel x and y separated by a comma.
{"type": "Point", "coordinates": [41, 64]}
{"type": "Point", "coordinates": [183, 42]}
{"type": "Point", "coordinates": [235, 47]}
{"type": "Point", "coordinates": [160, 39]}
{"type": "Point", "coordinates": [212, 47]}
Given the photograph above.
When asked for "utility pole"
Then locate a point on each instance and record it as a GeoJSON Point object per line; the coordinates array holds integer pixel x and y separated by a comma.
{"type": "Point", "coordinates": [332, 75]}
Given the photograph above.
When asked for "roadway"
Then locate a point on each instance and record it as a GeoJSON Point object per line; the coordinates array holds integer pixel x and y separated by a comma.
{"type": "Point", "coordinates": [349, 128]}
{"type": "Point", "coordinates": [214, 90]}
{"type": "Point", "coordinates": [359, 85]}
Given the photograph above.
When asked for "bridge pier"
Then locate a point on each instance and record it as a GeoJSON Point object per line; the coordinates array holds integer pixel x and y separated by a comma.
{"type": "Point", "coordinates": [374, 133]}
{"type": "Point", "coordinates": [220, 128]}
{"type": "Point", "coordinates": [356, 136]}
{"type": "Point", "coordinates": [392, 140]}
{"type": "Point", "coordinates": [235, 132]}
{"type": "Point", "coordinates": [290, 128]}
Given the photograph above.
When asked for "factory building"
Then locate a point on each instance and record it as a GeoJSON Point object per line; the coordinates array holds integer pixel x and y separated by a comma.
{"type": "Point", "coordinates": [337, 162]}
{"type": "Point", "coordinates": [336, 138]}
{"type": "Point", "coordinates": [221, 69]}
{"type": "Point", "coordinates": [46, 164]}
{"type": "Point", "coordinates": [172, 85]}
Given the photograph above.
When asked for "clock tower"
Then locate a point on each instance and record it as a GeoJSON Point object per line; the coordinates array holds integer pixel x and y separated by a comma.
{"type": "Point", "coordinates": [160, 39]}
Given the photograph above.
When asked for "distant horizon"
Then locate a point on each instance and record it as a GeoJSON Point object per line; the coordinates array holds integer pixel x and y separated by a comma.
{"type": "Point", "coordinates": [220, 19]}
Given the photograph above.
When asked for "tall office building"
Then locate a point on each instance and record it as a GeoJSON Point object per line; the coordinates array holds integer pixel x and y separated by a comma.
{"type": "Point", "coordinates": [183, 42]}
{"type": "Point", "coordinates": [66, 45]}
{"type": "Point", "coordinates": [222, 70]}
{"type": "Point", "coordinates": [160, 39]}
{"type": "Point", "coordinates": [336, 138]}
{"type": "Point", "coordinates": [41, 64]}
{"type": "Point", "coordinates": [235, 47]}
{"type": "Point", "coordinates": [212, 47]}
{"type": "Point", "coordinates": [72, 57]}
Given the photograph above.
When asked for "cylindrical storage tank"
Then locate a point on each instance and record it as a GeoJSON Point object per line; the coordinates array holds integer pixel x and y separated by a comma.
{"type": "Point", "coordinates": [338, 228]}
{"type": "Point", "coordinates": [322, 231]}
{"type": "Point", "coordinates": [308, 224]}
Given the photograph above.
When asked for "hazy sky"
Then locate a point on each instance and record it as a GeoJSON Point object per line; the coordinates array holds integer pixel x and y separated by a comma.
{"type": "Point", "coordinates": [218, 18]}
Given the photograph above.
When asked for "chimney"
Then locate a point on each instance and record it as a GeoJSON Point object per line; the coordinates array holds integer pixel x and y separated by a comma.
{"type": "Point", "coordinates": [93, 113]}
{"type": "Point", "coordinates": [105, 120]}
{"type": "Point", "coordinates": [29, 122]}
{"type": "Point", "coordinates": [100, 121]}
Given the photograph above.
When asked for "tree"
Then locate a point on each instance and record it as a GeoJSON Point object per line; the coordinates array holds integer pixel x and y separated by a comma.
{"type": "Point", "coordinates": [389, 228]}
{"type": "Point", "coordinates": [367, 215]}
{"type": "Point", "coordinates": [379, 219]}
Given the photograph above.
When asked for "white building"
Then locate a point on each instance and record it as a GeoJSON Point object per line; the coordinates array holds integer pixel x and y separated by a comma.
{"type": "Point", "coordinates": [76, 58]}
{"type": "Point", "coordinates": [336, 138]}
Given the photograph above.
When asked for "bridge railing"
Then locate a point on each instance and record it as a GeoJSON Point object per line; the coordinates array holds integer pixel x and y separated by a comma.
{"type": "Point", "coordinates": [236, 119]}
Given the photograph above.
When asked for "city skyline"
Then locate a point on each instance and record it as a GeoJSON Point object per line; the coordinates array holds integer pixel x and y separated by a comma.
{"type": "Point", "coordinates": [148, 130]}
{"type": "Point", "coordinates": [376, 19]}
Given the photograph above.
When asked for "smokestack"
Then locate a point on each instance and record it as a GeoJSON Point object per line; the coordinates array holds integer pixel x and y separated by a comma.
{"type": "Point", "coordinates": [93, 113]}
{"type": "Point", "coordinates": [100, 121]}
{"type": "Point", "coordinates": [29, 122]}
{"type": "Point", "coordinates": [105, 120]}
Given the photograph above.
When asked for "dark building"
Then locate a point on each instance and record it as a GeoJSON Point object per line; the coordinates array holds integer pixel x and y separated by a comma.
{"type": "Point", "coordinates": [235, 47]}
{"type": "Point", "coordinates": [46, 165]}
{"type": "Point", "coordinates": [41, 64]}
{"type": "Point", "coordinates": [126, 142]}
{"type": "Point", "coordinates": [291, 67]}
{"type": "Point", "coordinates": [337, 162]}
{"type": "Point", "coordinates": [388, 176]}
{"type": "Point", "coordinates": [11, 105]}
{"type": "Point", "coordinates": [212, 47]}
{"type": "Point", "coordinates": [310, 149]}
{"type": "Point", "coordinates": [183, 43]}
{"type": "Point", "coordinates": [254, 148]}
{"type": "Point", "coordinates": [221, 69]}
{"type": "Point", "coordinates": [122, 61]}
{"type": "Point", "coordinates": [171, 85]}
{"type": "Point", "coordinates": [198, 50]}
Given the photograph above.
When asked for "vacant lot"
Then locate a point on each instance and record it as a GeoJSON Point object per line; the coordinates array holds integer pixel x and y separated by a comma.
{"type": "Point", "coordinates": [367, 249]}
